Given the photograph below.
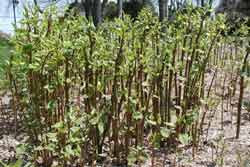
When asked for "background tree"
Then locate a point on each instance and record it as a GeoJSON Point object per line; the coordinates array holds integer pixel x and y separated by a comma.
{"type": "Point", "coordinates": [238, 6]}
{"type": "Point", "coordinates": [97, 12]}
{"type": "Point", "coordinates": [132, 8]}
{"type": "Point", "coordinates": [162, 9]}
{"type": "Point", "coordinates": [14, 4]}
{"type": "Point", "coordinates": [119, 6]}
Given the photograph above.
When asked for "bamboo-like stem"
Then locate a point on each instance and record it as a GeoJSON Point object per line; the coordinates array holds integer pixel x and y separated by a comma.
{"type": "Point", "coordinates": [244, 64]}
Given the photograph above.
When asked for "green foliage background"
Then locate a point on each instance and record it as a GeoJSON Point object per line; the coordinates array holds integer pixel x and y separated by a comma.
{"type": "Point", "coordinates": [5, 52]}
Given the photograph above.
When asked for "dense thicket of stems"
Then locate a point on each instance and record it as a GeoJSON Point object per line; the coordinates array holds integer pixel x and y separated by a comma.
{"type": "Point", "coordinates": [85, 91]}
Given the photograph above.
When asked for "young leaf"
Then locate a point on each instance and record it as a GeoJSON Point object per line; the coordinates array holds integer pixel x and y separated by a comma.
{"type": "Point", "coordinates": [184, 138]}
{"type": "Point", "coordinates": [165, 132]}
{"type": "Point", "coordinates": [101, 127]}
{"type": "Point", "coordinates": [137, 115]}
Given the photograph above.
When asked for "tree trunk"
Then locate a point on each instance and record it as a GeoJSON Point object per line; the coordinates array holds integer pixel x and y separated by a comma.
{"type": "Point", "coordinates": [162, 9]}
{"type": "Point", "coordinates": [202, 3]}
{"type": "Point", "coordinates": [97, 12]}
{"type": "Point", "coordinates": [104, 3]}
{"type": "Point", "coordinates": [87, 6]}
{"type": "Point", "coordinates": [167, 11]}
{"type": "Point", "coordinates": [119, 7]}
{"type": "Point", "coordinates": [14, 3]}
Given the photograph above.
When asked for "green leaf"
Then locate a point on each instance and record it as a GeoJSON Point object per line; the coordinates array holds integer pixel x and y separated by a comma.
{"type": "Point", "coordinates": [51, 105]}
{"type": "Point", "coordinates": [33, 66]}
{"type": "Point", "coordinates": [27, 47]}
{"type": "Point", "coordinates": [39, 148]}
{"type": "Point", "coordinates": [68, 80]}
{"type": "Point", "coordinates": [28, 164]}
{"type": "Point", "coordinates": [137, 115]}
{"type": "Point", "coordinates": [50, 147]}
{"type": "Point", "coordinates": [156, 139]}
{"type": "Point", "coordinates": [170, 124]}
{"type": "Point", "coordinates": [184, 139]}
{"type": "Point", "coordinates": [52, 137]}
{"type": "Point", "coordinates": [132, 157]}
{"type": "Point", "coordinates": [69, 151]}
{"type": "Point", "coordinates": [94, 120]}
{"type": "Point", "coordinates": [101, 127]}
{"type": "Point", "coordinates": [75, 129]}
{"type": "Point", "coordinates": [3, 164]}
{"type": "Point", "coordinates": [20, 149]}
{"type": "Point", "coordinates": [18, 163]}
{"type": "Point", "coordinates": [165, 132]}
{"type": "Point", "coordinates": [151, 122]}
{"type": "Point", "coordinates": [59, 125]}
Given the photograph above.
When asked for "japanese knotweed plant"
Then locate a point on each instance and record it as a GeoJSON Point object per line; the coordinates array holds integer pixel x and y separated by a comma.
{"type": "Point", "coordinates": [87, 93]}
